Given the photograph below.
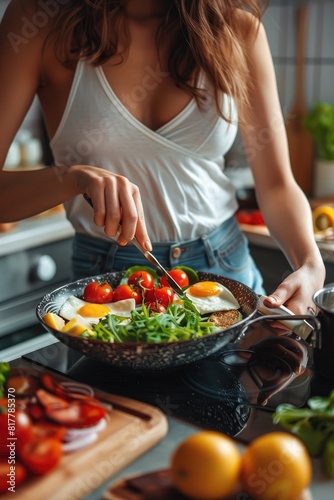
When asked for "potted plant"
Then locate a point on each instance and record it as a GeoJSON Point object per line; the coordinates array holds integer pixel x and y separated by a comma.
{"type": "Point", "coordinates": [319, 121]}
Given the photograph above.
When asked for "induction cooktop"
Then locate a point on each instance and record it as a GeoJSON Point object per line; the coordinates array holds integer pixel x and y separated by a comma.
{"type": "Point", "coordinates": [235, 391]}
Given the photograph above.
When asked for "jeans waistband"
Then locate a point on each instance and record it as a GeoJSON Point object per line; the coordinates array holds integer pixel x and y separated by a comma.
{"type": "Point", "coordinates": [174, 252]}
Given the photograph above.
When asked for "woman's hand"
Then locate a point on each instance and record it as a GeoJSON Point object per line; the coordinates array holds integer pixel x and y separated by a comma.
{"type": "Point", "coordinates": [116, 201]}
{"type": "Point", "coordinates": [297, 290]}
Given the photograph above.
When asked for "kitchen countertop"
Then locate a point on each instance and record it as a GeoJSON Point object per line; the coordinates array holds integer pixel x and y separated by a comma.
{"type": "Point", "coordinates": [36, 231]}
{"type": "Point", "coordinates": [259, 236]}
{"type": "Point", "coordinates": [158, 458]}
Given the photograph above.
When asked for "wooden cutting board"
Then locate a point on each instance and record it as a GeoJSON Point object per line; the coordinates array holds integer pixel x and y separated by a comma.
{"type": "Point", "coordinates": [157, 485]}
{"type": "Point", "coordinates": [300, 143]}
{"type": "Point", "coordinates": [132, 429]}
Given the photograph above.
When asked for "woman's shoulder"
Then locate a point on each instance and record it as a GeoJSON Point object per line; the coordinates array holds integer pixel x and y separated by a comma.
{"type": "Point", "coordinates": [26, 20]}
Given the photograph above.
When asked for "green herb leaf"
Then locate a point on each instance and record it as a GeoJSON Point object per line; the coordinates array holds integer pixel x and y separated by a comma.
{"type": "Point", "coordinates": [314, 425]}
{"type": "Point", "coordinates": [179, 322]}
{"type": "Point", "coordinates": [4, 374]}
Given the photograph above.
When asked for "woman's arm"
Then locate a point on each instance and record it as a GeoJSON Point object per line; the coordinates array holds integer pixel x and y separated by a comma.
{"type": "Point", "coordinates": [26, 193]}
{"type": "Point", "coordinates": [283, 204]}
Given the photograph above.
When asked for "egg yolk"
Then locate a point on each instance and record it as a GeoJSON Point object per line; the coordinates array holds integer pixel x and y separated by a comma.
{"type": "Point", "coordinates": [93, 310]}
{"type": "Point", "coordinates": [204, 289]}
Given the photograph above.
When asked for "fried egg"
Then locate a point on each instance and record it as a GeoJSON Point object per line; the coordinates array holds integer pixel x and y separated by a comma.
{"type": "Point", "coordinates": [210, 296]}
{"type": "Point", "coordinates": [92, 312]}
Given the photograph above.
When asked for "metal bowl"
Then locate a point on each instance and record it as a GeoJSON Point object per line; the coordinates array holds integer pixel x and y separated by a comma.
{"type": "Point", "coordinates": [152, 356]}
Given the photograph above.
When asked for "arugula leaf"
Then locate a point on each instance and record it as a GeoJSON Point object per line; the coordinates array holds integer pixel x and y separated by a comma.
{"type": "Point", "coordinates": [179, 322]}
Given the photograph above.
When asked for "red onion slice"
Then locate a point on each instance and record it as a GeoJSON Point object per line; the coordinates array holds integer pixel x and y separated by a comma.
{"type": "Point", "coordinates": [80, 442]}
{"type": "Point", "coordinates": [77, 387]}
{"type": "Point", "coordinates": [73, 434]}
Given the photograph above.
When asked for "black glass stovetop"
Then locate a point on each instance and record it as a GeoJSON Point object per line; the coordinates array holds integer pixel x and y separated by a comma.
{"type": "Point", "coordinates": [235, 391]}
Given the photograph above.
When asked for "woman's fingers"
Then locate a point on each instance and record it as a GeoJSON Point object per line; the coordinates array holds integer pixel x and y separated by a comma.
{"type": "Point", "coordinates": [116, 201]}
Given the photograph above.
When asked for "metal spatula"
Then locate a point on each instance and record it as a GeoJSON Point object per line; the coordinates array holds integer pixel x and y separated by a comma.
{"type": "Point", "coordinates": [150, 257]}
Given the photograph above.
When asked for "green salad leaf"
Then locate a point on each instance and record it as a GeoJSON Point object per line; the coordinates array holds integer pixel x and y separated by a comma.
{"type": "Point", "coordinates": [4, 374]}
{"type": "Point", "coordinates": [179, 322]}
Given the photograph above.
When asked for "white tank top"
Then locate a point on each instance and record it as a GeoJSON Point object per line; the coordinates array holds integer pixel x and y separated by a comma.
{"type": "Point", "coordinates": [178, 168]}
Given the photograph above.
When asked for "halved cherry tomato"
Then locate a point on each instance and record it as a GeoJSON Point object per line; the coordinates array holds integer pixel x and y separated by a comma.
{"type": "Point", "coordinates": [163, 295]}
{"type": "Point", "coordinates": [122, 292]}
{"type": "Point", "coordinates": [41, 455]}
{"type": "Point", "coordinates": [17, 471]}
{"type": "Point", "coordinates": [178, 275]}
{"type": "Point", "coordinates": [98, 292]}
{"type": "Point", "coordinates": [77, 414]}
{"type": "Point", "coordinates": [14, 423]}
{"type": "Point", "coordinates": [141, 280]}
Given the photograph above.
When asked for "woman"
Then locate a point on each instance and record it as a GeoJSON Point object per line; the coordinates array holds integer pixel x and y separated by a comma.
{"type": "Point", "coordinates": [140, 99]}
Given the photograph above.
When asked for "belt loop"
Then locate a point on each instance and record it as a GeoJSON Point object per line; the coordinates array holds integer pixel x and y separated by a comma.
{"type": "Point", "coordinates": [209, 250]}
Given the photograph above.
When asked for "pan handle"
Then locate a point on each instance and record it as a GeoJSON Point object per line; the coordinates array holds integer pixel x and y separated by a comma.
{"type": "Point", "coordinates": [308, 330]}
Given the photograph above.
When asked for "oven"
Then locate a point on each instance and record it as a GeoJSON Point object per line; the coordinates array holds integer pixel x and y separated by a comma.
{"type": "Point", "coordinates": [35, 258]}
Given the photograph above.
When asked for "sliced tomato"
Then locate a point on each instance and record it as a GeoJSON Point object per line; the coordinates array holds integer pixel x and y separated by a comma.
{"type": "Point", "coordinates": [41, 455]}
{"type": "Point", "coordinates": [11, 472]}
{"type": "Point", "coordinates": [36, 411]}
{"type": "Point", "coordinates": [77, 414]}
{"type": "Point", "coordinates": [49, 382]}
{"type": "Point", "coordinates": [45, 429]}
{"type": "Point", "coordinates": [14, 425]}
{"type": "Point", "coordinates": [49, 400]}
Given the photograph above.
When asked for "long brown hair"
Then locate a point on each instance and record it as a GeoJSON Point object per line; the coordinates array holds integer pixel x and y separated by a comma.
{"type": "Point", "coordinates": [209, 36]}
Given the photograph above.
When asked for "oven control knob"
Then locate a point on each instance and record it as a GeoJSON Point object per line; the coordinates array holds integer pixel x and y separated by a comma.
{"type": "Point", "coordinates": [45, 268]}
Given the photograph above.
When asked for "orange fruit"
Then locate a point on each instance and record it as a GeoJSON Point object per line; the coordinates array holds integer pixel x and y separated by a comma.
{"type": "Point", "coordinates": [275, 466]}
{"type": "Point", "coordinates": [206, 466]}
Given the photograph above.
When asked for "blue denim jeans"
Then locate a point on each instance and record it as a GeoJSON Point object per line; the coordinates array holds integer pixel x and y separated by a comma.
{"type": "Point", "coordinates": [224, 251]}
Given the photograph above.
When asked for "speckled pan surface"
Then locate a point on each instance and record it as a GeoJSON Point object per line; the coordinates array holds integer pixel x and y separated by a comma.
{"type": "Point", "coordinates": [148, 355]}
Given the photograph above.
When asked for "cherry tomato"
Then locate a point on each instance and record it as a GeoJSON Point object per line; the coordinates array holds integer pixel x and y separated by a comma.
{"type": "Point", "coordinates": [41, 455]}
{"type": "Point", "coordinates": [13, 423]}
{"type": "Point", "coordinates": [141, 279]}
{"type": "Point", "coordinates": [122, 292]}
{"type": "Point", "coordinates": [257, 218]}
{"type": "Point", "coordinates": [163, 295]}
{"type": "Point", "coordinates": [243, 217]}
{"type": "Point", "coordinates": [156, 307]}
{"type": "Point", "coordinates": [17, 470]}
{"type": "Point", "coordinates": [179, 276]}
{"type": "Point", "coordinates": [98, 292]}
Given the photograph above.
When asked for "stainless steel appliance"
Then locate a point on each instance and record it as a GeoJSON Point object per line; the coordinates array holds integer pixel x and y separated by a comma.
{"type": "Point", "coordinates": [34, 259]}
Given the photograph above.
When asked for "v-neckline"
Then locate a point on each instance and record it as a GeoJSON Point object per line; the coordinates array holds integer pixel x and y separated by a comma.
{"type": "Point", "coordinates": [115, 99]}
